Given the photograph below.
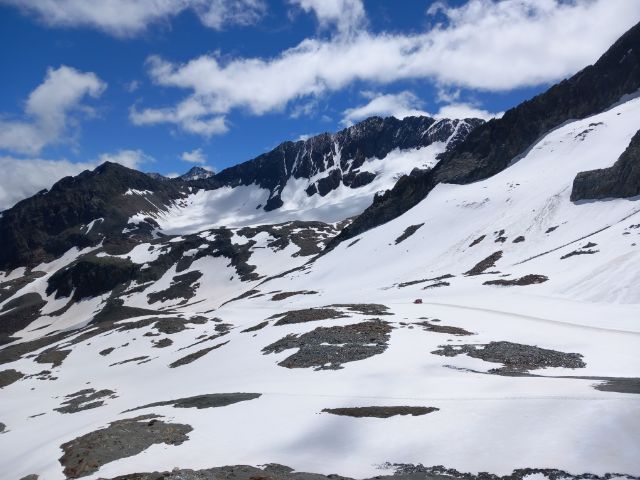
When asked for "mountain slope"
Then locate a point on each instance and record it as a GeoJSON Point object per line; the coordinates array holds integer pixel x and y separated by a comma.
{"type": "Point", "coordinates": [531, 351]}
{"type": "Point", "coordinates": [490, 148]}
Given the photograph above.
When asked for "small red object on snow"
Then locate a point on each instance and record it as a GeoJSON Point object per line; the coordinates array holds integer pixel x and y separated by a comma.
{"type": "Point", "coordinates": [417, 300]}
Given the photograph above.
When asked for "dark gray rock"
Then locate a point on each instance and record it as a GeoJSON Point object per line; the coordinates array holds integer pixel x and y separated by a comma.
{"type": "Point", "coordinates": [85, 400]}
{"type": "Point", "coordinates": [621, 180]}
{"type": "Point", "coordinates": [211, 400]}
{"type": "Point", "coordinates": [380, 412]}
{"type": "Point", "coordinates": [329, 348]}
{"type": "Point", "coordinates": [410, 230]}
{"type": "Point", "coordinates": [483, 265]}
{"type": "Point", "coordinates": [192, 357]}
{"type": "Point", "coordinates": [515, 357]}
{"type": "Point", "coordinates": [530, 279]}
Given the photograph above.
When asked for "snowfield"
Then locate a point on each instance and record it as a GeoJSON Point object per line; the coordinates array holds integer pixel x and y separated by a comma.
{"type": "Point", "coordinates": [544, 416]}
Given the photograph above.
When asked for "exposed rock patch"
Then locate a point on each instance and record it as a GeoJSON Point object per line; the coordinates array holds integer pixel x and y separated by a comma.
{"type": "Point", "coordinates": [53, 356]}
{"type": "Point", "coordinates": [85, 400]}
{"type": "Point", "coordinates": [307, 315]}
{"type": "Point", "coordinates": [477, 241]}
{"type": "Point", "coordinates": [578, 252]}
{"type": "Point", "coordinates": [182, 286]}
{"type": "Point", "coordinates": [212, 400]}
{"type": "Point", "coordinates": [515, 357]}
{"type": "Point", "coordinates": [522, 281]}
{"type": "Point", "coordinates": [329, 348]}
{"type": "Point", "coordinates": [438, 328]}
{"type": "Point", "coordinates": [122, 438]}
{"type": "Point", "coordinates": [192, 357]}
{"type": "Point", "coordinates": [380, 412]}
{"type": "Point", "coordinates": [425, 280]}
{"type": "Point", "coordinates": [484, 265]}
{"type": "Point", "coordinates": [410, 230]}
{"type": "Point", "coordinates": [7, 377]}
{"type": "Point", "coordinates": [255, 328]}
{"type": "Point", "coordinates": [283, 295]}
{"type": "Point", "coordinates": [621, 180]}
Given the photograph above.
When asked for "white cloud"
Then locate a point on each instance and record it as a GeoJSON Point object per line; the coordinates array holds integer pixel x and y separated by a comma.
{"type": "Point", "coordinates": [129, 158]}
{"type": "Point", "coordinates": [194, 156]}
{"type": "Point", "coordinates": [132, 86]}
{"type": "Point", "coordinates": [465, 110]}
{"type": "Point", "coordinates": [346, 16]}
{"type": "Point", "coordinates": [403, 104]}
{"type": "Point", "coordinates": [127, 18]}
{"type": "Point", "coordinates": [53, 107]}
{"type": "Point", "coordinates": [22, 178]}
{"type": "Point", "coordinates": [406, 104]}
{"type": "Point", "coordinates": [485, 44]}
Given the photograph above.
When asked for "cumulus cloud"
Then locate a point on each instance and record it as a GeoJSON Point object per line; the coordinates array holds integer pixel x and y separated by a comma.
{"type": "Point", "coordinates": [21, 177]}
{"type": "Point", "coordinates": [129, 158]}
{"type": "Point", "coordinates": [347, 16]}
{"type": "Point", "coordinates": [465, 110]}
{"type": "Point", "coordinates": [127, 18]}
{"type": "Point", "coordinates": [51, 109]}
{"type": "Point", "coordinates": [403, 104]}
{"type": "Point", "coordinates": [194, 156]}
{"type": "Point", "coordinates": [484, 44]}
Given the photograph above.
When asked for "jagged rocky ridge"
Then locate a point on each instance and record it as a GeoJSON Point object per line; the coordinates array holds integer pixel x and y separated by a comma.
{"type": "Point", "coordinates": [491, 147]}
{"type": "Point", "coordinates": [340, 155]}
{"type": "Point", "coordinates": [98, 206]}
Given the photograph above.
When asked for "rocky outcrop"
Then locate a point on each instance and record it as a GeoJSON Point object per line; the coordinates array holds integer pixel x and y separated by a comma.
{"type": "Point", "coordinates": [491, 147]}
{"type": "Point", "coordinates": [80, 212]}
{"type": "Point", "coordinates": [621, 180]}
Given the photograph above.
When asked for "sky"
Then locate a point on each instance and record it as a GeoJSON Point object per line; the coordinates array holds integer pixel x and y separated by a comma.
{"type": "Point", "coordinates": [165, 85]}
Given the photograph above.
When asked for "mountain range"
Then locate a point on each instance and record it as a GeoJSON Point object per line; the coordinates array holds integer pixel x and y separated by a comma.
{"type": "Point", "coordinates": [416, 297]}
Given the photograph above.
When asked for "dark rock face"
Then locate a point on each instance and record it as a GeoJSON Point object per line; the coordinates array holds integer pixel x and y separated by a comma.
{"type": "Point", "coordinates": [490, 148]}
{"type": "Point", "coordinates": [48, 224]}
{"type": "Point", "coordinates": [91, 276]}
{"type": "Point", "coordinates": [340, 155]}
{"type": "Point", "coordinates": [196, 173]}
{"type": "Point", "coordinates": [19, 312]}
{"type": "Point", "coordinates": [621, 180]}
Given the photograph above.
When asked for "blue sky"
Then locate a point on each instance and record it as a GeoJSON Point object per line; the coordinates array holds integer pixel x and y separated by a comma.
{"type": "Point", "coordinates": [163, 85]}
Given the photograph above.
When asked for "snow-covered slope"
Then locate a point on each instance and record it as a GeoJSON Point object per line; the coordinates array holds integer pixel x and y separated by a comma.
{"type": "Point", "coordinates": [242, 205]}
{"type": "Point", "coordinates": [537, 371]}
